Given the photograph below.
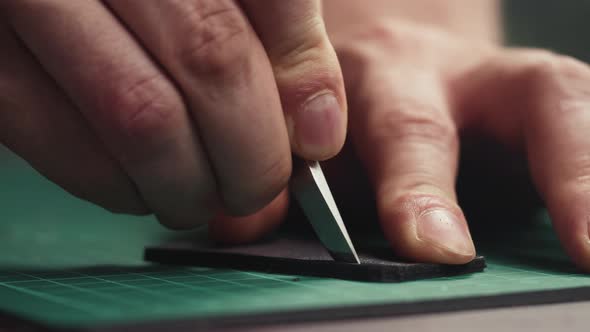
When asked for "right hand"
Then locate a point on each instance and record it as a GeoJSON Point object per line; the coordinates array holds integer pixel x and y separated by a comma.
{"type": "Point", "coordinates": [183, 109]}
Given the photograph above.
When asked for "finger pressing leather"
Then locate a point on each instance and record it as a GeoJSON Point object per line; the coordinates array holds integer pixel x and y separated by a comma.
{"type": "Point", "coordinates": [237, 230]}
{"type": "Point", "coordinates": [213, 54]}
{"type": "Point", "coordinates": [402, 129]}
{"type": "Point", "coordinates": [540, 102]}
{"type": "Point", "coordinates": [558, 148]}
{"type": "Point", "coordinates": [128, 101]}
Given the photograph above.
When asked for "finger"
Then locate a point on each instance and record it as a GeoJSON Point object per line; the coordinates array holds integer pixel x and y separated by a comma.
{"type": "Point", "coordinates": [215, 57]}
{"type": "Point", "coordinates": [402, 129]}
{"type": "Point", "coordinates": [38, 123]}
{"type": "Point", "coordinates": [130, 104]}
{"type": "Point", "coordinates": [237, 230]}
{"type": "Point", "coordinates": [546, 103]}
{"type": "Point", "coordinates": [307, 73]}
{"type": "Point", "coordinates": [558, 149]}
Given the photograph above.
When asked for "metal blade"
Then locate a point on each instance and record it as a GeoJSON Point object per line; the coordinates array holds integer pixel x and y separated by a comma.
{"type": "Point", "coordinates": [310, 188]}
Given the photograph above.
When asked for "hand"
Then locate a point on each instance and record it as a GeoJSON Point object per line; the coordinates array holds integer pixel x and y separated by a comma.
{"type": "Point", "coordinates": [413, 92]}
{"type": "Point", "coordinates": [180, 108]}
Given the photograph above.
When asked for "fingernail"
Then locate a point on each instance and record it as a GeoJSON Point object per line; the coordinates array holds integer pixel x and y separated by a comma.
{"type": "Point", "coordinates": [318, 125]}
{"type": "Point", "coordinates": [444, 230]}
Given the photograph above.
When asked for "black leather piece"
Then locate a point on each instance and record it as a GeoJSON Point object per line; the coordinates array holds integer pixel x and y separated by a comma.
{"type": "Point", "coordinates": [285, 254]}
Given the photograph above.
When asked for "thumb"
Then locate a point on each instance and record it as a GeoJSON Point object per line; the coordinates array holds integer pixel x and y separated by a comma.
{"type": "Point", "coordinates": [307, 73]}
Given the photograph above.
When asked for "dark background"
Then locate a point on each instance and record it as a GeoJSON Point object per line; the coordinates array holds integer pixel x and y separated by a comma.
{"type": "Point", "coordinates": [559, 25]}
{"type": "Point", "coordinates": [494, 186]}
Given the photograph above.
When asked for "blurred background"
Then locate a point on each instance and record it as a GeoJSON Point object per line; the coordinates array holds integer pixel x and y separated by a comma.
{"type": "Point", "coordinates": [562, 26]}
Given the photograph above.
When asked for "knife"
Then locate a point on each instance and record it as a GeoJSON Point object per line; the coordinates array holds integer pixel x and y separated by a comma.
{"type": "Point", "coordinates": [310, 189]}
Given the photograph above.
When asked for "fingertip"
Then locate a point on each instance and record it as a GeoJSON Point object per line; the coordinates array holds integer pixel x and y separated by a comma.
{"type": "Point", "coordinates": [446, 233]}
{"type": "Point", "coordinates": [570, 216]}
{"type": "Point", "coordinates": [319, 127]}
{"type": "Point", "coordinates": [256, 191]}
{"type": "Point", "coordinates": [579, 252]}
{"type": "Point", "coordinates": [239, 230]}
{"type": "Point", "coordinates": [186, 221]}
{"type": "Point", "coordinates": [575, 239]}
{"type": "Point", "coordinates": [427, 228]}
{"type": "Point", "coordinates": [577, 245]}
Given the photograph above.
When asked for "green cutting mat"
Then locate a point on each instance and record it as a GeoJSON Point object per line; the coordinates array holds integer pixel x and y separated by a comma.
{"type": "Point", "coordinates": [67, 263]}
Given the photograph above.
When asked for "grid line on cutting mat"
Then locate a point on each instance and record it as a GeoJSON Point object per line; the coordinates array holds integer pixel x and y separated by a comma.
{"type": "Point", "coordinates": [81, 297]}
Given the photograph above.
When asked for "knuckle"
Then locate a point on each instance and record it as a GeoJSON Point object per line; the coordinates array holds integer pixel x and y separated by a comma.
{"type": "Point", "coordinates": [399, 36]}
{"type": "Point", "coordinates": [551, 78]}
{"type": "Point", "coordinates": [219, 39]}
{"type": "Point", "coordinates": [377, 38]}
{"type": "Point", "coordinates": [143, 110]}
{"type": "Point", "coordinates": [386, 30]}
{"type": "Point", "coordinates": [415, 122]}
{"type": "Point", "coordinates": [306, 46]}
{"type": "Point", "coordinates": [542, 68]}
{"type": "Point", "coordinates": [402, 41]}
{"type": "Point", "coordinates": [411, 201]}
{"type": "Point", "coordinates": [421, 181]}
{"type": "Point", "coordinates": [259, 190]}
{"type": "Point", "coordinates": [409, 204]}
{"type": "Point", "coordinates": [539, 65]}
{"type": "Point", "coordinates": [382, 30]}
{"type": "Point", "coordinates": [275, 176]}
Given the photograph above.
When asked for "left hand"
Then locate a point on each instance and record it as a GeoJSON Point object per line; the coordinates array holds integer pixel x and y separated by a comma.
{"type": "Point", "coordinates": [413, 91]}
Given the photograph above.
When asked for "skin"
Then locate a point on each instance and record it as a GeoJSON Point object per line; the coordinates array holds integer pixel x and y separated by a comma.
{"type": "Point", "coordinates": [184, 109]}
{"type": "Point", "coordinates": [417, 85]}
{"type": "Point", "coordinates": [191, 110]}
{"type": "Point", "coordinates": [420, 85]}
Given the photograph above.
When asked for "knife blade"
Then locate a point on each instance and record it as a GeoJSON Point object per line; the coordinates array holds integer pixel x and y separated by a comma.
{"type": "Point", "coordinates": [310, 189]}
